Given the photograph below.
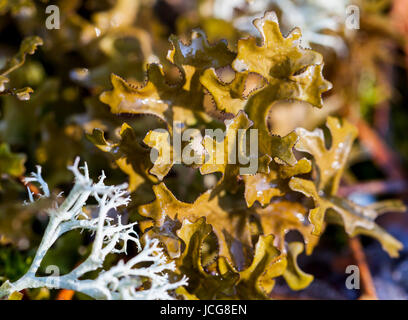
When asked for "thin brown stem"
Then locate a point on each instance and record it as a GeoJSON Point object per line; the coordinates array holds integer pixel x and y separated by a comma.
{"type": "Point", "coordinates": [382, 155]}
{"type": "Point", "coordinates": [368, 288]}
{"type": "Point", "coordinates": [399, 14]}
{"type": "Point", "coordinates": [375, 187]}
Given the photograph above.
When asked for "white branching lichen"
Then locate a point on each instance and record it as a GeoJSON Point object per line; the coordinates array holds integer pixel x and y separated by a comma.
{"type": "Point", "coordinates": [142, 277]}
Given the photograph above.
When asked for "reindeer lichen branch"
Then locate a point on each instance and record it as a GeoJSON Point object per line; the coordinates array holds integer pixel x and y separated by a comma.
{"type": "Point", "coordinates": [123, 281]}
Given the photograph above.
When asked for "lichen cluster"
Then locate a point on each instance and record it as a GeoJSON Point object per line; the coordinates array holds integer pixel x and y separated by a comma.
{"type": "Point", "coordinates": [223, 230]}
{"type": "Point", "coordinates": [233, 235]}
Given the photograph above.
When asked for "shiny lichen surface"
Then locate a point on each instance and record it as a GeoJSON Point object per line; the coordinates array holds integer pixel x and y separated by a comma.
{"type": "Point", "coordinates": [228, 237]}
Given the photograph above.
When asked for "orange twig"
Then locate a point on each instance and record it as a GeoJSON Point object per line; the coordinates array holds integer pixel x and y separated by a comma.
{"type": "Point", "coordinates": [382, 155]}
{"type": "Point", "coordinates": [368, 288]}
{"type": "Point", "coordinates": [65, 294]}
{"type": "Point", "coordinates": [399, 15]}
{"type": "Point", "coordinates": [32, 187]}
